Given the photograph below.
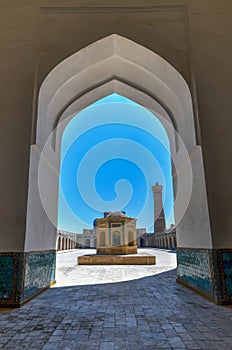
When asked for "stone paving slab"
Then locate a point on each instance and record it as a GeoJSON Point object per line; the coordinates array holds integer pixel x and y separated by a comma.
{"type": "Point", "coordinates": [117, 307]}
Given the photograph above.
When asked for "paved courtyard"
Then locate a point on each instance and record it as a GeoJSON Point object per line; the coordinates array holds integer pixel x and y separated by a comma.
{"type": "Point", "coordinates": [117, 307]}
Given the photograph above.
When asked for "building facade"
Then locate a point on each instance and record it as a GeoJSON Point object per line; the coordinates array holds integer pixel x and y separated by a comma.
{"type": "Point", "coordinates": [116, 234]}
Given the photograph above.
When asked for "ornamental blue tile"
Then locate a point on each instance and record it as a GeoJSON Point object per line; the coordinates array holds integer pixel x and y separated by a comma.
{"type": "Point", "coordinates": [6, 276]}
{"type": "Point", "coordinates": [40, 272]}
{"type": "Point", "coordinates": [227, 267]}
{"type": "Point", "coordinates": [193, 269]}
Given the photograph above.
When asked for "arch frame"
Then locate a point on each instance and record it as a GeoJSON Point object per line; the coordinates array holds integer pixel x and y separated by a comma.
{"type": "Point", "coordinates": [114, 64]}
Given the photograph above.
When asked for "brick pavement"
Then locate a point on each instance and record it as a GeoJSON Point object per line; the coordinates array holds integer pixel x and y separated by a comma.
{"type": "Point", "coordinates": [119, 307]}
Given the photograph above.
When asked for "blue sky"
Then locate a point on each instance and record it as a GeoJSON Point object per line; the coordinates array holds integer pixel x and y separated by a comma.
{"type": "Point", "coordinates": [111, 154]}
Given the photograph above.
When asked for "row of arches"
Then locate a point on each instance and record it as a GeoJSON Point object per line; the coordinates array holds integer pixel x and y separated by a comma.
{"type": "Point", "coordinates": [166, 242]}
{"type": "Point", "coordinates": [162, 241]}
{"type": "Point", "coordinates": [65, 243]}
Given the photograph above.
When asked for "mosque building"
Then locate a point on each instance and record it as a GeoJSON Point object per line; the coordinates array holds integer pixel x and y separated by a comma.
{"type": "Point", "coordinates": [117, 229]}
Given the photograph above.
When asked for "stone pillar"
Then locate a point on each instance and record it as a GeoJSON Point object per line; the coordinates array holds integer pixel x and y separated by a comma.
{"type": "Point", "coordinates": [159, 219]}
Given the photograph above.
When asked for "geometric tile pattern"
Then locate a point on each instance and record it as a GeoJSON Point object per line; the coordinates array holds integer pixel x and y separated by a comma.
{"type": "Point", "coordinates": [208, 271]}
{"type": "Point", "coordinates": [39, 272]}
{"type": "Point", "coordinates": [194, 269]}
{"type": "Point", "coordinates": [6, 271]}
{"type": "Point", "coordinates": [23, 275]}
{"type": "Point", "coordinates": [8, 278]}
{"type": "Point", "coordinates": [226, 272]}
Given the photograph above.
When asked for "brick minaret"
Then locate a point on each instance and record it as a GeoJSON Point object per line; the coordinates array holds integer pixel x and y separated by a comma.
{"type": "Point", "coordinates": [159, 218]}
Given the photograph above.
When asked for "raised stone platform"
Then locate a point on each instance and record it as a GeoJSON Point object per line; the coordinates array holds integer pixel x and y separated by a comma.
{"type": "Point", "coordinates": [116, 260]}
{"type": "Point", "coordinates": [122, 250]}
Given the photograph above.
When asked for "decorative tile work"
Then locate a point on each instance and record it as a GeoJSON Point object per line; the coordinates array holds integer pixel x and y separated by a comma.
{"type": "Point", "coordinates": [39, 272]}
{"type": "Point", "coordinates": [194, 269]}
{"type": "Point", "coordinates": [225, 259]}
{"type": "Point", "coordinates": [9, 266]}
{"type": "Point", "coordinates": [207, 271]}
{"type": "Point", "coordinates": [23, 275]}
{"type": "Point", "coordinates": [6, 271]}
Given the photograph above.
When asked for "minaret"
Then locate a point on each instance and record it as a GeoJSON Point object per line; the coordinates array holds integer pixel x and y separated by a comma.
{"type": "Point", "coordinates": [159, 219]}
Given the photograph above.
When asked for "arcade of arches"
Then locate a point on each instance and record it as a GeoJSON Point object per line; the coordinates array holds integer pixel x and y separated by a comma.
{"type": "Point", "coordinates": [64, 243]}
{"type": "Point", "coordinates": [168, 56]}
{"type": "Point", "coordinates": [87, 239]}
{"type": "Point", "coordinates": [166, 240]}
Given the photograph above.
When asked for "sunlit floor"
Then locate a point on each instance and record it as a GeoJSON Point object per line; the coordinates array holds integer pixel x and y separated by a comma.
{"type": "Point", "coordinates": [119, 307]}
{"type": "Point", "coordinates": [69, 273]}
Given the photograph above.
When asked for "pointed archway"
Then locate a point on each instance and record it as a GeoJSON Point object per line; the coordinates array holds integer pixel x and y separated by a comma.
{"type": "Point", "coordinates": [118, 65]}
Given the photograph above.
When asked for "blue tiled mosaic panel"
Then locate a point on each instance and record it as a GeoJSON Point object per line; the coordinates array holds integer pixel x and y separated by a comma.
{"type": "Point", "coordinates": [194, 269]}
{"type": "Point", "coordinates": [40, 272]}
{"type": "Point", "coordinates": [6, 275]}
{"type": "Point", "coordinates": [227, 265]}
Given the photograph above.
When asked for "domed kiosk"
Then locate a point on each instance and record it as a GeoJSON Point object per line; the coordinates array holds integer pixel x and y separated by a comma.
{"type": "Point", "coordinates": [116, 234]}
{"type": "Point", "coordinates": [116, 242]}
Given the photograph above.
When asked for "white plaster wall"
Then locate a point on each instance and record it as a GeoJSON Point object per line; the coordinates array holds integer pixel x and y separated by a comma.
{"type": "Point", "coordinates": [193, 230]}
{"type": "Point", "coordinates": [40, 232]}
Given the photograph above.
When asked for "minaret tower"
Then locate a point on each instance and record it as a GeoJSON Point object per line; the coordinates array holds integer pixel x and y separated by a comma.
{"type": "Point", "coordinates": [159, 219]}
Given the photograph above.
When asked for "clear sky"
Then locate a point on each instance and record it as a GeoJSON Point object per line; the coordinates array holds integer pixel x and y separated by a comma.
{"type": "Point", "coordinates": [112, 153]}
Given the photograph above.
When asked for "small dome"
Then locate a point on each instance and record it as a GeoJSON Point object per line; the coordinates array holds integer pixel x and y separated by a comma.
{"type": "Point", "coordinates": [116, 213]}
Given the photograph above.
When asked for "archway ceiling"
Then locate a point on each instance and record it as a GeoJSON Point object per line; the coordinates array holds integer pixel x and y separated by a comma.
{"type": "Point", "coordinates": [115, 58]}
{"type": "Point", "coordinates": [110, 87]}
